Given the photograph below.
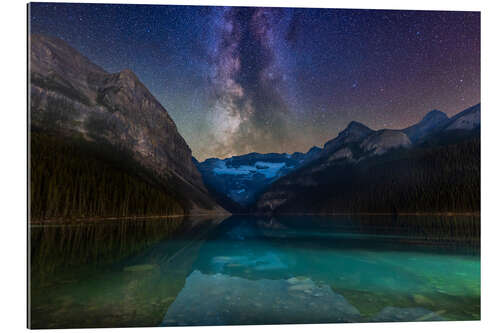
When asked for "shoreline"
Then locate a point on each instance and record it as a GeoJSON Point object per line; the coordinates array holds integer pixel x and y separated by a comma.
{"type": "Point", "coordinates": [386, 214]}
{"type": "Point", "coordinates": [114, 218]}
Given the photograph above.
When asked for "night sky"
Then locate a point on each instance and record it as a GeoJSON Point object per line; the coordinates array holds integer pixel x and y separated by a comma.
{"type": "Point", "coordinates": [237, 80]}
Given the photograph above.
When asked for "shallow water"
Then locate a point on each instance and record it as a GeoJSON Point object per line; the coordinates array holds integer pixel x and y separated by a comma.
{"type": "Point", "coordinates": [254, 270]}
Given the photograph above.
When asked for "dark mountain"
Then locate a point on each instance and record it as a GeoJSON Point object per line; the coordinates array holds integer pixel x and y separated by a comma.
{"type": "Point", "coordinates": [384, 172]}
{"type": "Point", "coordinates": [103, 121]}
{"type": "Point", "coordinates": [314, 151]}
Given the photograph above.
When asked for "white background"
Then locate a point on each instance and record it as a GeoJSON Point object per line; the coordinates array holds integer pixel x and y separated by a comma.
{"type": "Point", "coordinates": [13, 165]}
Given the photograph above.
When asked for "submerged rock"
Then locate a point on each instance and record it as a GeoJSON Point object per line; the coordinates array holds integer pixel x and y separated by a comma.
{"type": "Point", "coordinates": [392, 314]}
{"type": "Point", "coordinates": [301, 287]}
{"type": "Point", "coordinates": [422, 300]}
{"type": "Point", "coordinates": [261, 301]}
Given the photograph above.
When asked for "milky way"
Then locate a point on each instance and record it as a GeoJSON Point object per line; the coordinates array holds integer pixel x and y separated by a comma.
{"type": "Point", "coordinates": [249, 82]}
{"type": "Point", "coordinates": [237, 80]}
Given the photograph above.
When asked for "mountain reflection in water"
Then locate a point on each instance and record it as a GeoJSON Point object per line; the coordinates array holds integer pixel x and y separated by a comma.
{"type": "Point", "coordinates": [255, 270]}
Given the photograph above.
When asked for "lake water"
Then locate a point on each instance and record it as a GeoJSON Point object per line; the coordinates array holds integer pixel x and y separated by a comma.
{"type": "Point", "coordinates": [255, 270]}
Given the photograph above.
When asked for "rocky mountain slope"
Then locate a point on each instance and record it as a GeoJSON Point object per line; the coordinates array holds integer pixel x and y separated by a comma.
{"type": "Point", "coordinates": [433, 121]}
{"type": "Point", "coordinates": [70, 97]}
{"type": "Point", "coordinates": [354, 132]}
{"type": "Point", "coordinates": [431, 166]}
{"type": "Point", "coordinates": [469, 119]}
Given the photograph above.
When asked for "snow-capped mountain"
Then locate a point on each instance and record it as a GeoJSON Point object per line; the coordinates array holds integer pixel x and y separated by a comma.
{"type": "Point", "coordinates": [242, 177]}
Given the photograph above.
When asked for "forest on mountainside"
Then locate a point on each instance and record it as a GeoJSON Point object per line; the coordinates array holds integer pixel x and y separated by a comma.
{"type": "Point", "coordinates": [434, 177]}
{"type": "Point", "coordinates": [74, 178]}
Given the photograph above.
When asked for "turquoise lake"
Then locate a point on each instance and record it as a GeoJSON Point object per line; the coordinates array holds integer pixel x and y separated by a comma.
{"type": "Point", "coordinates": [254, 270]}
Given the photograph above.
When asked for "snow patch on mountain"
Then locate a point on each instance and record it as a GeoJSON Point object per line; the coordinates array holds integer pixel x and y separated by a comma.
{"type": "Point", "coordinates": [268, 169]}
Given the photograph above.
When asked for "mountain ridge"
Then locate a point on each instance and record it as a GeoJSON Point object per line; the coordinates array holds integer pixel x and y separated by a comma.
{"type": "Point", "coordinates": [358, 143]}
{"type": "Point", "coordinates": [377, 175]}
